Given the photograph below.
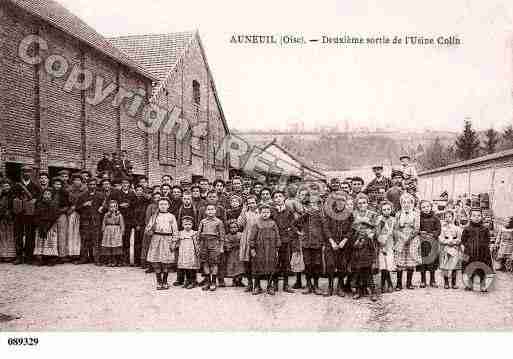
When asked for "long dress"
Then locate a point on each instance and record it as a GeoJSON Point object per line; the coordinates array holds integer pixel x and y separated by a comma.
{"type": "Point", "coordinates": [505, 244]}
{"type": "Point", "coordinates": [112, 228]}
{"type": "Point", "coordinates": [386, 260]}
{"type": "Point", "coordinates": [188, 250]}
{"type": "Point", "coordinates": [246, 220]}
{"type": "Point", "coordinates": [234, 266]}
{"type": "Point", "coordinates": [164, 228]}
{"type": "Point", "coordinates": [61, 199]}
{"type": "Point", "coordinates": [450, 251]}
{"type": "Point", "coordinates": [74, 223]}
{"type": "Point", "coordinates": [46, 242]}
{"type": "Point", "coordinates": [7, 242]}
{"type": "Point", "coordinates": [407, 251]}
{"type": "Point", "coordinates": [265, 240]}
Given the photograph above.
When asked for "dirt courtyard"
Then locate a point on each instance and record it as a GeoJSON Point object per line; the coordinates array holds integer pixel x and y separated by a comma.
{"type": "Point", "coordinates": [86, 297]}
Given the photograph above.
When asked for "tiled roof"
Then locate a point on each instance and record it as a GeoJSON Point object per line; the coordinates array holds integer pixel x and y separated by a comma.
{"type": "Point", "coordinates": [57, 15]}
{"type": "Point", "coordinates": [158, 53]}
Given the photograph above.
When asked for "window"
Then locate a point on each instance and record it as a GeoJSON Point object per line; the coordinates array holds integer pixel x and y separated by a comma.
{"type": "Point", "coordinates": [167, 148]}
{"type": "Point", "coordinates": [196, 95]}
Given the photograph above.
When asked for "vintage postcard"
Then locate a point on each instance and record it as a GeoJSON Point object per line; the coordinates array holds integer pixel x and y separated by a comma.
{"type": "Point", "coordinates": [342, 166]}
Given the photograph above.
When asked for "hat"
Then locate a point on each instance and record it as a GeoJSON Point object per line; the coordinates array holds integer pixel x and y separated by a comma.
{"type": "Point", "coordinates": [377, 167]}
{"type": "Point", "coordinates": [75, 176]}
{"type": "Point", "coordinates": [397, 173]}
{"type": "Point", "coordinates": [187, 218]}
{"type": "Point", "coordinates": [116, 181]}
{"type": "Point", "coordinates": [27, 168]}
{"type": "Point", "coordinates": [366, 223]}
{"type": "Point", "coordinates": [92, 179]}
{"type": "Point", "coordinates": [63, 172]}
{"type": "Point", "coordinates": [44, 174]}
{"type": "Point", "coordinates": [56, 179]}
{"type": "Point", "coordinates": [404, 157]}
{"type": "Point", "coordinates": [104, 180]}
{"type": "Point", "coordinates": [85, 172]}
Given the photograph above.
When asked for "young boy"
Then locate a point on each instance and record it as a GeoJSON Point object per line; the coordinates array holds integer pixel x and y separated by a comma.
{"type": "Point", "coordinates": [212, 235]}
{"type": "Point", "coordinates": [284, 219]}
{"type": "Point", "coordinates": [364, 256]}
{"type": "Point", "coordinates": [264, 243]}
{"type": "Point", "coordinates": [151, 209]}
{"type": "Point", "coordinates": [385, 231]}
{"type": "Point", "coordinates": [139, 205]}
{"type": "Point", "coordinates": [476, 249]}
{"type": "Point", "coordinates": [234, 266]}
{"type": "Point", "coordinates": [246, 221]}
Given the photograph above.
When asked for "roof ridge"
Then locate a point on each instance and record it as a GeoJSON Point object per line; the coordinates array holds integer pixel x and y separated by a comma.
{"type": "Point", "coordinates": [191, 32]}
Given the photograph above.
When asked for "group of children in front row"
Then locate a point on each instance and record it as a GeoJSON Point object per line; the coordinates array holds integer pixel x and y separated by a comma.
{"type": "Point", "coordinates": [348, 244]}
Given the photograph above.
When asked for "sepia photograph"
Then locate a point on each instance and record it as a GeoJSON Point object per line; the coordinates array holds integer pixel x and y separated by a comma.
{"type": "Point", "coordinates": [230, 166]}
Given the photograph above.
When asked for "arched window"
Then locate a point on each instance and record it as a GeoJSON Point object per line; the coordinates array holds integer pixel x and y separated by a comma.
{"type": "Point", "coordinates": [196, 95]}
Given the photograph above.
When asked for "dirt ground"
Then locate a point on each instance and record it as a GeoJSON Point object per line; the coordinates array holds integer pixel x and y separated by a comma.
{"type": "Point", "coordinates": [86, 297]}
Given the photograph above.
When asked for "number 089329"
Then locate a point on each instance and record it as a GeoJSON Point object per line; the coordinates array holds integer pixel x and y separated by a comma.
{"type": "Point", "coordinates": [23, 341]}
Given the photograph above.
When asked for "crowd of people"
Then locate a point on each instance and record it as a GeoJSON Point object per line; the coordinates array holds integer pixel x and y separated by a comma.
{"type": "Point", "coordinates": [252, 232]}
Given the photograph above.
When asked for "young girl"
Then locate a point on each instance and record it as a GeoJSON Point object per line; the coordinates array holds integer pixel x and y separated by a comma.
{"type": "Point", "coordinates": [234, 267]}
{"type": "Point", "coordinates": [406, 229]}
{"type": "Point", "coordinates": [246, 221]}
{"type": "Point", "coordinates": [7, 242]}
{"type": "Point", "coordinates": [476, 248]}
{"type": "Point", "coordinates": [450, 241]}
{"type": "Point", "coordinates": [188, 252]}
{"type": "Point", "coordinates": [505, 244]}
{"type": "Point", "coordinates": [364, 256]}
{"type": "Point", "coordinates": [46, 215]}
{"type": "Point", "coordinates": [151, 209]}
{"type": "Point", "coordinates": [385, 237]}
{"type": "Point", "coordinates": [264, 243]}
{"type": "Point", "coordinates": [429, 247]}
{"type": "Point", "coordinates": [113, 228]}
{"type": "Point", "coordinates": [162, 228]}
{"type": "Point", "coordinates": [235, 209]}
{"type": "Point", "coordinates": [212, 236]}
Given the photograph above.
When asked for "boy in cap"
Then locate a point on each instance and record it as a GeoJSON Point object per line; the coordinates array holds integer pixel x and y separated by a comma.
{"type": "Point", "coordinates": [377, 188]}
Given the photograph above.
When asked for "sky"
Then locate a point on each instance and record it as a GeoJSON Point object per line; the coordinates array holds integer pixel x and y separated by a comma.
{"type": "Point", "coordinates": [402, 87]}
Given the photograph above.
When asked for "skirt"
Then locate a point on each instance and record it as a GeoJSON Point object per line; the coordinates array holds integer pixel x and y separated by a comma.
{"type": "Point", "coordinates": [407, 253]}
{"type": "Point", "coordinates": [187, 257]}
{"type": "Point", "coordinates": [74, 234]}
{"type": "Point", "coordinates": [112, 236]}
{"type": "Point", "coordinates": [49, 245]}
{"type": "Point", "coordinates": [386, 260]}
{"type": "Point", "coordinates": [62, 234]}
{"type": "Point", "coordinates": [160, 250]}
{"type": "Point", "coordinates": [234, 266]}
{"type": "Point", "coordinates": [505, 248]}
{"type": "Point", "coordinates": [450, 258]}
{"type": "Point", "coordinates": [7, 242]}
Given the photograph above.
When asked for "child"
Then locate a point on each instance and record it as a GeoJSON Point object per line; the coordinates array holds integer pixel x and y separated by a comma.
{"type": "Point", "coordinates": [385, 237]}
{"type": "Point", "coordinates": [188, 252]}
{"type": "Point", "coordinates": [246, 221]}
{"type": "Point", "coordinates": [284, 219]}
{"type": "Point", "coordinates": [139, 205]}
{"type": "Point", "coordinates": [406, 241]}
{"type": "Point", "coordinates": [212, 236]}
{"type": "Point", "coordinates": [234, 267]}
{"type": "Point", "coordinates": [186, 209]}
{"type": "Point", "coordinates": [476, 249]}
{"type": "Point", "coordinates": [505, 244]}
{"type": "Point", "coordinates": [429, 247]}
{"type": "Point", "coordinates": [46, 215]}
{"type": "Point", "coordinates": [450, 241]}
{"type": "Point", "coordinates": [113, 228]}
{"type": "Point", "coordinates": [162, 228]}
{"type": "Point", "coordinates": [235, 209]}
{"type": "Point", "coordinates": [264, 243]}
{"type": "Point", "coordinates": [364, 256]}
{"type": "Point", "coordinates": [151, 209]}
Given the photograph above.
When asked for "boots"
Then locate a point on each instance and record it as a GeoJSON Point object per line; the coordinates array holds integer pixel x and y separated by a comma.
{"type": "Point", "coordinates": [213, 283]}
{"type": "Point", "coordinates": [432, 279]}
{"type": "Point", "coordinates": [298, 284]}
{"type": "Point", "coordinates": [164, 280]}
{"type": "Point", "coordinates": [359, 293]}
{"type": "Point", "coordinates": [340, 286]}
{"type": "Point", "coordinates": [257, 289]}
{"type": "Point", "coordinates": [453, 280]}
{"type": "Point", "coordinates": [329, 292]}
{"type": "Point", "coordinates": [179, 278]}
{"type": "Point", "coordinates": [249, 288]}
{"type": "Point", "coordinates": [270, 286]}
{"type": "Point", "coordinates": [423, 279]}
{"type": "Point", "coordinates": [309, 287]}
{"type": "Point", "coordinates": [409, 277]}
{"type": "Point", "coordinates": [206, 282]}
{"type": "Point", "coordinates": [286, 288]}
{"type": "Point", "coordinates": [399, 285]}
{"type": "Point", "coordinates": [446, 282]}
{"type": "Point", "coordinates": [275, 283]}
{"type": "Point", "coordinates": [159, 280]}
{"type": "Point", "coordinates": [316, 288]}
{"type": "Point", "coordinates": [373, 296]}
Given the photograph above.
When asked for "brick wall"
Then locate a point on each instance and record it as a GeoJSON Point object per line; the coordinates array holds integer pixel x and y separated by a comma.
{"type": "Point", "coordinates": [42, 123]}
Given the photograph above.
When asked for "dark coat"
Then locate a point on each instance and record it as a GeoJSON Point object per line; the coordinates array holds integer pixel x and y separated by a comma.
{"type": "Point", "coordinates": [429, 244]}
{"type": "Point", "coordinates": [338, 227]}
{"type": "Point", "coordinates": [46, 214]}
{"type": "Point", "coordinates": [127, 212]}
{"type": "Point", "coordinates": [285, 222]}
{"type": "Point", "coordinates": [191, 211]}
{"type": "Point", "coordinates": [265, 240]}
{"type": "Point", "coordinates": [311, 223]}
{"type": "Point", "coordinates": [476, 241]}
{"type": "Point", "coordinates": [89, 216]}
{"type": "Point", "coordinates": [364, 251]}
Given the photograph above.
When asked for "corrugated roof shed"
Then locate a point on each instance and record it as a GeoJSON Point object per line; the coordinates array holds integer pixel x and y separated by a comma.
{"type": "Point", "coordinates": [60, 17]}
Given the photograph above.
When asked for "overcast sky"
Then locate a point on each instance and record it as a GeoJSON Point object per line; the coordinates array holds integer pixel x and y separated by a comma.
{"type": "Point", "coordinates": [269, 87]}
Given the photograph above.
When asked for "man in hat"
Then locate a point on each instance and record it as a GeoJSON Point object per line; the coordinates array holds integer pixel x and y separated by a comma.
{"type": "Point", "coordinates": [87, 206]}
{"type": "Point", "coordinates": [407, 168]}
{"type": "Point", "coordinates": [26, 193]}
{"type": "Point", "coordinates": [377, 188]}
{"type": "Point", "coordinates": [44, 181]}
{"type": "Point", "coordinates": [126, 164]}
{"type": "Point", "coordinates": [105, 164]}
{"type": "Point", "coordinates": [334, 184]}
{"type": "Point", "coordinates": [126, 201]}
{"type": "Point", "coordinates": [65, 177]}
{"type": "Point", "coordinates": [356, 186]}
{"type": "Point", "coordinates": [396, 190]}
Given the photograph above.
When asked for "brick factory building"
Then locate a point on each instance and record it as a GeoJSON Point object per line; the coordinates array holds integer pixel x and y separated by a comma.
{"type": "Point", "coordinates": [52, 122]}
